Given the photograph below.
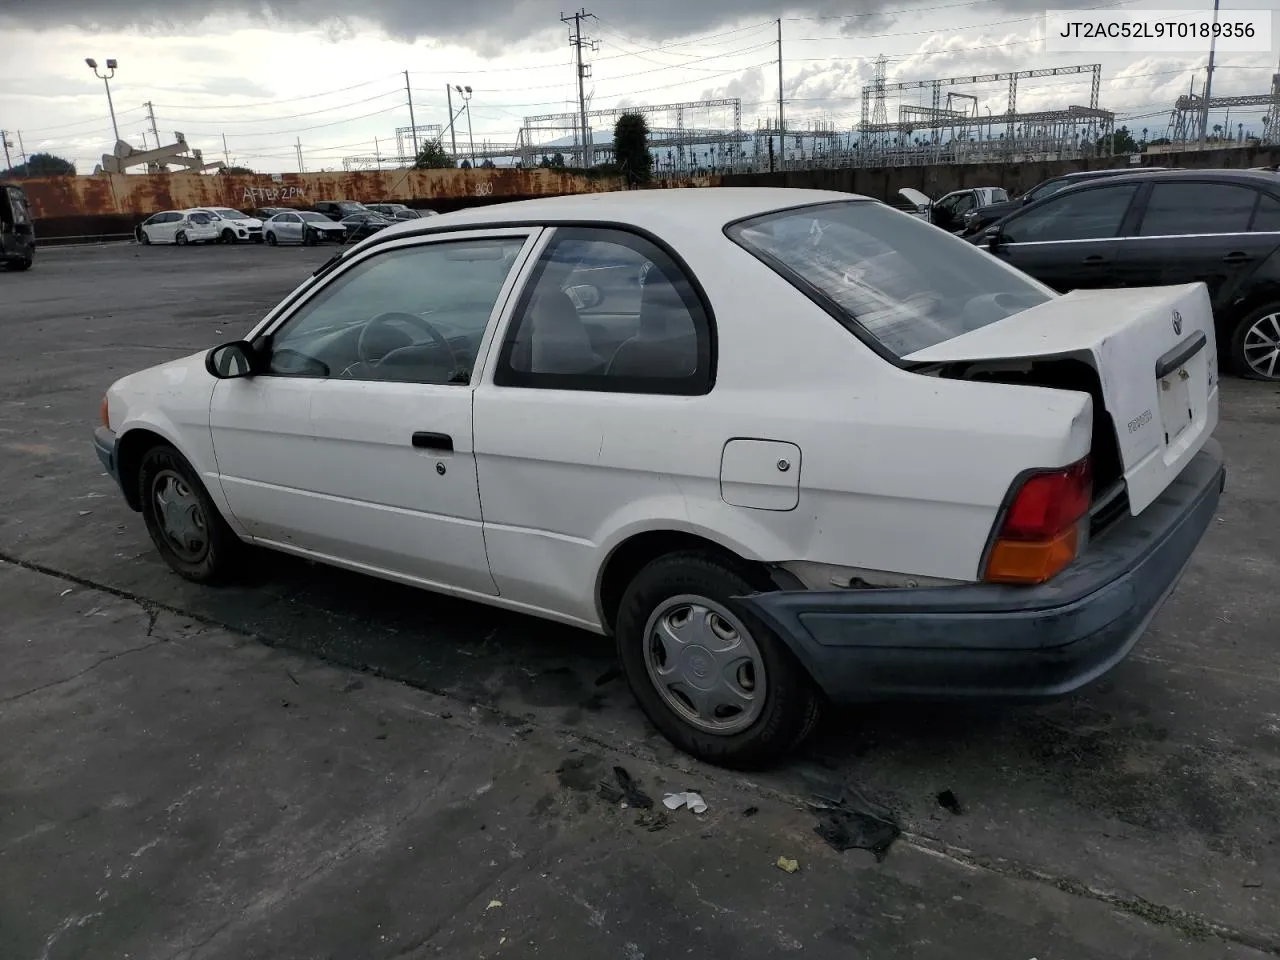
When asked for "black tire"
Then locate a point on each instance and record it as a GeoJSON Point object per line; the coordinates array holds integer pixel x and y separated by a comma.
{"type": "Point", "coordinates": [181, 238]}
{"type": "Point", "coordinates": [228, 236]}
{"type": "Point", "coordinates": [223, 551]}
{"type": "Point", "coordinates": [791, 704]}
{"type": "Point", "coordinates": [144, 238]}
{"type": "Point", "coordinates": [271, 239]}
{"type": "Point", "coordinates": [308, 237]}
{"type": "Point", "coordinates": [1239, 360]}
{"type": "Point", "coordinates": [17, 266]}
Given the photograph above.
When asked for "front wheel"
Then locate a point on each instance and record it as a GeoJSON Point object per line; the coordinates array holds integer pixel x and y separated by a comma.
{"type": "Point", "coordinates": [181, 239]}
{"type": "Point", "coordinates": [271, 239]}
{"type": "Point", "coordinates": [1255, 344]}
{"type": "Point", "coordinates": [716, 681]}
{"type": "Point", "coordinates": [309, 238]}
{"type": "Point", "coordinates": [183, 521]}
{"type": "Point", "coordinates": [228, 236]}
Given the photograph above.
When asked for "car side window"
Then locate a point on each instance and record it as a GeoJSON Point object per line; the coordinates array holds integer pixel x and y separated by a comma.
{"type": "Point", "coordinates": [1197, 207]}
{"type": "Point", "coordinates": [964, 204]}
{"type": "Point", "coordinates": [1267, 217]}
{"type": "Point", "coordinates": [609, 311]}
{"type": "Point", "coordinates": [412, 314]}
{"type": "Point", "coordinates": [1080, 215]}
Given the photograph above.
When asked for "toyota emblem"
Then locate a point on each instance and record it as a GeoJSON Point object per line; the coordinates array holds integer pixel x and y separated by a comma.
{"type": "Point", "coordinates": [1177, 322]}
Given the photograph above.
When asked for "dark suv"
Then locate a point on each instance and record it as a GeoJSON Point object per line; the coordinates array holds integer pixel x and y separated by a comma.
{"type": "Point", "coordinates": [1151, 229]}
{"type": "Point", "coordinates": [978, 219]}
{"type": "Point", "coordinates": [17, 230]}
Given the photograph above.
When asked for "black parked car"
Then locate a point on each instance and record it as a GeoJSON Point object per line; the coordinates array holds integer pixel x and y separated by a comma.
{"type": "Point", "coordinates": [361, 225]}
{"type": "Point", "coordinates": [982, 217]}
{"type": "Point", "coordinates": [17, 229]}
{"type": "Point", "coordinates": [1152, 229]}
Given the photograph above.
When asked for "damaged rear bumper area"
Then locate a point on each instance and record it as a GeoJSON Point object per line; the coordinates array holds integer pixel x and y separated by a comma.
{"type": "Point", "coordinates": [985, 642]}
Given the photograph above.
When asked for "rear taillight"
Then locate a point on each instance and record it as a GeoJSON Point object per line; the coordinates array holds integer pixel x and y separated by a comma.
{"type": "Point", "coordinates": [1044, 527]}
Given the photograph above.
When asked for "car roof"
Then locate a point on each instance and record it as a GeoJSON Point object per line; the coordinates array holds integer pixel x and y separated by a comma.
{"type": "Point", "coordinates": [1227, 175]}
{"type": "Point", "coordinates": [659, 210]}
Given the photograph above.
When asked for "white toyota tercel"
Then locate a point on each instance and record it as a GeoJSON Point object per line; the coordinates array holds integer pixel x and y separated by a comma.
{"type": "Point", "coordinates": [786, 447]}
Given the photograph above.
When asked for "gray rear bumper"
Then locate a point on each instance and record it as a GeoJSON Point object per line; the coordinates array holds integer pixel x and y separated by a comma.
{"type": "Point", "coordinates": [984, 641]}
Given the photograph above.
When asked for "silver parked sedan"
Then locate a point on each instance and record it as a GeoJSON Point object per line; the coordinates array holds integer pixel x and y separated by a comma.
{"type": "Point", "coordinates": [302, 226]}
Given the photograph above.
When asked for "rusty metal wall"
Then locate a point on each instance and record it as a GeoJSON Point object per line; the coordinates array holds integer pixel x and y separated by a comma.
{"type": "Point", "coordinates": [113, 204]}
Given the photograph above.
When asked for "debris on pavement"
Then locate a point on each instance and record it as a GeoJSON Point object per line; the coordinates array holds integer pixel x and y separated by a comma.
{"type": "Point", "coordinates": [790, 866]}
{"type": "Point", "coordinates": [948, 801]}
{"type": "Point", "coordinates": [851, 820]}
{"type": "Point", "coordinates": [1252, 883]}
{"type": "Point", "coordinates": [493, 904]}
{"type": "Point", "coordinates": [694, 801]}
{"type": "Point", "coordinates": [613, 673]}
{"type": "Point", "coordinates": [653, 821]}
{"type": "Point", "coordinates": [750, 811]}
{"type": "Point", "coordinates": [630, 790]}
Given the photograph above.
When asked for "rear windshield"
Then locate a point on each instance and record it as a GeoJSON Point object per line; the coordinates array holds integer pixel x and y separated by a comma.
{"type": "Point", "coordinates": [904, 282]}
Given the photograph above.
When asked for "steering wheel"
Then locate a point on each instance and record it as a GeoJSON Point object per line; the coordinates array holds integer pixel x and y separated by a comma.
{"type": "Point", "coordinates": [364, 346]}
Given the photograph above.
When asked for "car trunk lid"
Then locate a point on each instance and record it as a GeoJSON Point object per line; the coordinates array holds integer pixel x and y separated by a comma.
{"type": "Point", "coordinates": [1154, 353]}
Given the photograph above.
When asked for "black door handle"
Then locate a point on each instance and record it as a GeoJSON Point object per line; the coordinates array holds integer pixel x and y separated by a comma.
{"type": "Point", "coordinates": [433, 441]}
{"type": "Point", "coordinates": [1094, 261]}
{"type": "Point", "coordinates": [1236, 257]}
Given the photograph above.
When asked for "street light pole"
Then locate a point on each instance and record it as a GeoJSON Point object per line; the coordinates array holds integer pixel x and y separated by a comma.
{"type": "Point", "coordinates": [465, 93]}
{"type": "Point", "coordinates": [106, 80]}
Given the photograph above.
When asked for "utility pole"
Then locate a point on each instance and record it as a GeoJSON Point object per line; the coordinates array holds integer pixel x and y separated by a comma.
{"type": "Point", "coordinates": [22, 151]}
{"type": "Point", "coordinates": [298, 146]}
{"type": "Point", "coordinates": [4, 138]}
{"type": "Point", "coordinates": [377, 153]}
{"type": "Point", "coordinates": [413, 124]}
{"type": "Point", "coordinates": [226, 154]}
{"type": "Point", "coordinates": [578, 41]}
{"type": "Point", "coordinates": [782, 126]}
{"type": "Point", "coordinates": [1208, 82]}
{"type": "Point", "coordinates": [154, 132]}
{"type": "Point", "coordinates": [453, 134]}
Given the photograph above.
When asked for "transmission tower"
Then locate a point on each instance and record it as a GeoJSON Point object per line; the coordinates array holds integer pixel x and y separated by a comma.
{"type": "Point", "coordinates": [881, 113]}
{"type": "Point", "coordinates": [578, 41]}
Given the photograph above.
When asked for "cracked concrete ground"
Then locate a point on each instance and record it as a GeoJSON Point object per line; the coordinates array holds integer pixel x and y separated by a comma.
{"type": "Point", "coordinates": [320, 765]}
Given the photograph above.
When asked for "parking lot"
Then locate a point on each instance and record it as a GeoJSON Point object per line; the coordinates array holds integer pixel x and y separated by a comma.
{"type": "Point", "coordinates": [318, 764]}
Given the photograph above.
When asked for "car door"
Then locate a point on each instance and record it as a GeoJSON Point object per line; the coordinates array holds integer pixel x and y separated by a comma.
{"type": "Point", "coordinates": [567, 439]}
{"type": "Point", "coordinates": [1070, 240]}
{"type": "Point", "coordinates": [943, 213]}
{"type": "Point", "coordinates": [1195, 230]}
{"type": "Point", "coordinates": [290, 228]}
{"type": "Point", "coordinates": [169, 226]}
{"type": "Point", "coordinates": [355, 444]}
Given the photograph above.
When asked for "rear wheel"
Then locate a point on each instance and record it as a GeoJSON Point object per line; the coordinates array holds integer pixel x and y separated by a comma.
{"type": "Point", "coordinates": [182, 520]}
{"type": "Point", "coordinates": [716, 681]}
{"type": "Point", "coordinates": [181, 239]}
{"type": "Point", "coordinates": [1255, 344]}
{"type": "Point", "coordinates": [20, 265]}
{"type": "Point", "coordinates": [144, 238]}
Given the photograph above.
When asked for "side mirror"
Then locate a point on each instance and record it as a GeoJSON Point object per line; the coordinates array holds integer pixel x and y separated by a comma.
{"type": "Point", "coordinates": [584, 296]}
{"type": "Point", "coordinates": [230, 361]}
{"type": "Point", "coordinates": [991, 237]}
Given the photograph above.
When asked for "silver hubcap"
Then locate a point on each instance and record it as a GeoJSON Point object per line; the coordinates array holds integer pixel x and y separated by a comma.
{"type": "Point", "coordinates": [705, 666]}
{"type": "Point", "coordinates": [1262, 346]}
{"type": "Point", "coordinates": [181, 519]}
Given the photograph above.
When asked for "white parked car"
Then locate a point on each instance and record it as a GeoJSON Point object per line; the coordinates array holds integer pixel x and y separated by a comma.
{"type": "Point", "coordinates": [302, 226]}
{"type": "Point", "coordinates": [784, 446]}
{"type": "Point", "coordinates": [233, 226]}
{"type": "Point", "coordinates": [178, 226]}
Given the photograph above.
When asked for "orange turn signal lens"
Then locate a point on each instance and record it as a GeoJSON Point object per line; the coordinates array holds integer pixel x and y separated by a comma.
{"type": "Point", "coordinates": [1020, 561]}
{"type": "Point", "coordinates": [106, 417]}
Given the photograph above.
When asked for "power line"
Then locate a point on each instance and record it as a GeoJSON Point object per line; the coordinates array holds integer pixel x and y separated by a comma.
{"type": "Point", "coordinates": [274, 103]}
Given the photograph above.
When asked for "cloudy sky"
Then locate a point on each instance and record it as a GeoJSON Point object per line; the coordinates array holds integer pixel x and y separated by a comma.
{"type": "Point", "coordinates": [268, 74]}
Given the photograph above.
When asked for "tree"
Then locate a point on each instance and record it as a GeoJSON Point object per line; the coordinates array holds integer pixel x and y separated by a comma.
{"type": "Point", "coordinates": [1118, 141]}
{"type": "Point", "coordinates": [465, 165]}
{"type": "Point", "coordinates": [631, 148]}
{"type": "Point", "coordinates": [488, 164]}
{"type": "Point", "coordinates": [232, 170]}
{"type": "Point", "coordinates": [433, 156]}
{"type": "Point", "coordinates": [43, 165]}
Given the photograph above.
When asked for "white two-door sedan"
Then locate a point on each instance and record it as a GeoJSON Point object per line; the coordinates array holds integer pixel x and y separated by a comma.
{"type": "Point", "coordinates": [785, 447]}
